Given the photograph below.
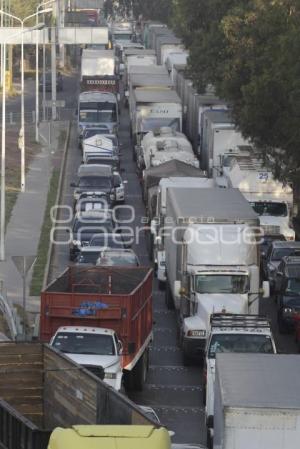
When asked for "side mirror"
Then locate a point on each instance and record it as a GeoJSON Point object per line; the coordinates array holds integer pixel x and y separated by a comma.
{"type": "Point", "coordinates": [266, 289]}
{"type": "Point", "coordinates": [126, 94]}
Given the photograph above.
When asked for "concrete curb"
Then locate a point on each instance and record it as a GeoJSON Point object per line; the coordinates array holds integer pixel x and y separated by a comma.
{"type": "Point", "coordinates": [57, 202]}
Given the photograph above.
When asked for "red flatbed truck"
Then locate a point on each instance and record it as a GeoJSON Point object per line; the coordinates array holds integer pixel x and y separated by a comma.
{"type": "Point", "coordinates": [114, 298]}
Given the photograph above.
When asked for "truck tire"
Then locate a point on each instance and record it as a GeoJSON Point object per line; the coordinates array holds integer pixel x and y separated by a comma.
{"type": "Point", "coordinates": [168, 297]}
{"type": "Point", "coordinates": [140, 372]}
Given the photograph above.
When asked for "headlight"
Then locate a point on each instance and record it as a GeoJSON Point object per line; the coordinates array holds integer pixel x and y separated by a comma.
{"type": "Point", "coordinates": [76, 242]}
{"type": "Point", "coordinates": [287, 310]}
{"type": "Point", "coordinates": [112, 196]}
{"type": "Point", "coordinates": [110, 375]}
{"type": "Point", "coordinates": [271, 268]}
{"type": "Point", "coordinates": [197, 333]}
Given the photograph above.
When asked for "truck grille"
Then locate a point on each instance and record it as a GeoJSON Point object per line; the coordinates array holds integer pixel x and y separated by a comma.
{"type": "Point", "coordinates": [271, 229]}
{"type": "Point", "coordinates": [96, 370]}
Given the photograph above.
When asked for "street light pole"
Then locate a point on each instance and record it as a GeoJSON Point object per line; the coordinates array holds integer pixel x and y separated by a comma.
{"type": "Point", "coordinates": [22, 130]}
{"type": "Point", "coordinates": [3, 150]}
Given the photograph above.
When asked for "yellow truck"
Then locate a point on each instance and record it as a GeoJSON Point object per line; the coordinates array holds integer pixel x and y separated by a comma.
{"type": "Point", "coordinates": [110, 437]}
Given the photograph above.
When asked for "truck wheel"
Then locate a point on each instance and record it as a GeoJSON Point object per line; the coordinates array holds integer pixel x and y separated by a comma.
{"type": "Point", "coordinates": [140, 372]}
{"type": "Point", "coordinates": [168, 297]}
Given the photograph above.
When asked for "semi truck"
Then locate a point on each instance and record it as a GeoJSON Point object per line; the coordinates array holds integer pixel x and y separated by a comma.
{"type": "Point", "coordinates": [232, 333]}
{"type": "Point", "coordinates": [162, 145]}
{"type": "Point", "coordinates": [166, 45]}
{"type": "Point", "coordinates": [158, 221]}
{"type": "Point", "coordinates": [152, 109]}
{"type": "Point", "coordinates": [212, 260]}
{"type": "Point", "coordinates": [118, 300]}
{"type": "Point", "coordinates": [243, 168]}
{"type": "Point", "coordinates": [42, 389]}
{"type": "Point", "coordinates": [219, 135]}
{"type": "Point", "coordinates": [257, 401]}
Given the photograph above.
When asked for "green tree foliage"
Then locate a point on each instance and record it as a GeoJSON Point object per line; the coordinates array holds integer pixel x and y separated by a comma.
{"type": "Point", "coordinates": [23, 8]}
{"type": "Point", "coordinates": [249, 49]}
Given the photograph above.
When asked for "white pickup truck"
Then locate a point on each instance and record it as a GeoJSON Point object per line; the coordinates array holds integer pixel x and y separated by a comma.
{"type": "Point", "coordinates": [97, 349]}
{"type": "Point", "coordinates": [232, 333]}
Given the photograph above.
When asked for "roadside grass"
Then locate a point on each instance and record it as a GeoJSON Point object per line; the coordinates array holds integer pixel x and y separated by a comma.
{"type": "Point", "coordinates": [39, 267]}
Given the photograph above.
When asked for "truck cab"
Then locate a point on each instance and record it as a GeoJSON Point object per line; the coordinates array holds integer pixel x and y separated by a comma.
{"type": "Point", "coordinates": [97, 349]}
{"type": "Point", "coordinates": [232, 333]}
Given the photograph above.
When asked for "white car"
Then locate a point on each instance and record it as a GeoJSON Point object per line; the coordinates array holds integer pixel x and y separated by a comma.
{"type": "Point", "coordinates": [97, 349]}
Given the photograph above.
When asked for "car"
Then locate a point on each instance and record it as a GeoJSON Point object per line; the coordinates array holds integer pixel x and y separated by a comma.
{"type": "Point", "coordinates": [88, 255]}
{"type": "Point", "coordinates": [96, 182]}
{"type": "Point", "coordinates": [85, 226]}
{"type": "Point", "coordinates": [118, 257]}
{"type": "Point", "coordinates": [92, 202]}
{"type": "Point", "coordinates": [94, 158]}
{"type": "Point", "coordinates": [90, 131]}
{"type": "Point", "coordinates": [48, 82]}
{"type": "Point", "coordinates": [266, 242]}
{"type": "Point", "coordinates": [114, 241]}
{"type": "Point", "coordinates": [277, 250]}
{"type": "Point", "coordinates": [287, 288]}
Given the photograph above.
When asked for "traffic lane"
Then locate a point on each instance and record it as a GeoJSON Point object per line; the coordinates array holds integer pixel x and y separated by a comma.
{"type": "Point", "coordinates": [174, 391]}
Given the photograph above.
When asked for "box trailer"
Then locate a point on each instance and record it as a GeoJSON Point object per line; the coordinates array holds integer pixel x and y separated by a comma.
{"type": "Point", "coordinates": [257, 401]}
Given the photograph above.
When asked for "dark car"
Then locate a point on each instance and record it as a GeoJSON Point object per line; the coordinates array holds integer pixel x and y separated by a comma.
{"type": "Point", "coordinates": [115, 241]}
{"type": "Point", "coordinates": [276, 252]}
{"type": "Point", "coordinates": [266, 242]}
{"type": "Point", "coordinates": [48, 82]}
{"type": "Point", "coordinates": [287, 285]}
{"type": "Point", "coordinates": [86, 225]}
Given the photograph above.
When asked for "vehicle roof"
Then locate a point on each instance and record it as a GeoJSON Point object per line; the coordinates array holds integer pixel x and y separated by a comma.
{"type": "Point", "coordinates": [259, 380]}
{"type": "Point", "coordinates": [219, 116]}
{"type": "Point", "coordinates": [94, 170]}
{"type": "Point", "coordinates": [291, 267]}
{"type": "Point", "coordinates": [117, 251]}
{"type": "Point", "coordinates": [139, 51]}
{"type": "Point", "coordinates": [156, 96]}
{"type": "Point", "coordinates": [285, 244]}
{"type": "Point", "coordinates": [110, 436]}
{"type": "Point", "coordinates": [225, 205]}
{"type": "Point", "coordinates": [149, 69]}
{"type": "Point", "coordinates": [140, 79]}
{"type": "Point", "coordinates": [93, 214]}
{"type": "Point", "coordinates": [95, 96]}
{"type": "Point", "coordinates": [86, 329]}
{"type": "Point", "coordinates": [168, 39]}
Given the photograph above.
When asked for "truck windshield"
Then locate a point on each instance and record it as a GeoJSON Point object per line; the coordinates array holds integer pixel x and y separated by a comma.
{"type": "Point", "coordinates": [98, 116]}
{"type": "Point", "coordinates": [216, 283]}
{"type": "Point", "coordinates": [83, 343]}
{"type": "Point", "coordinates": [248, 343]}
{"type": "Point", "coordinates": [270, 208]}
{"type": "Point", "coordinates": [293, 287]}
